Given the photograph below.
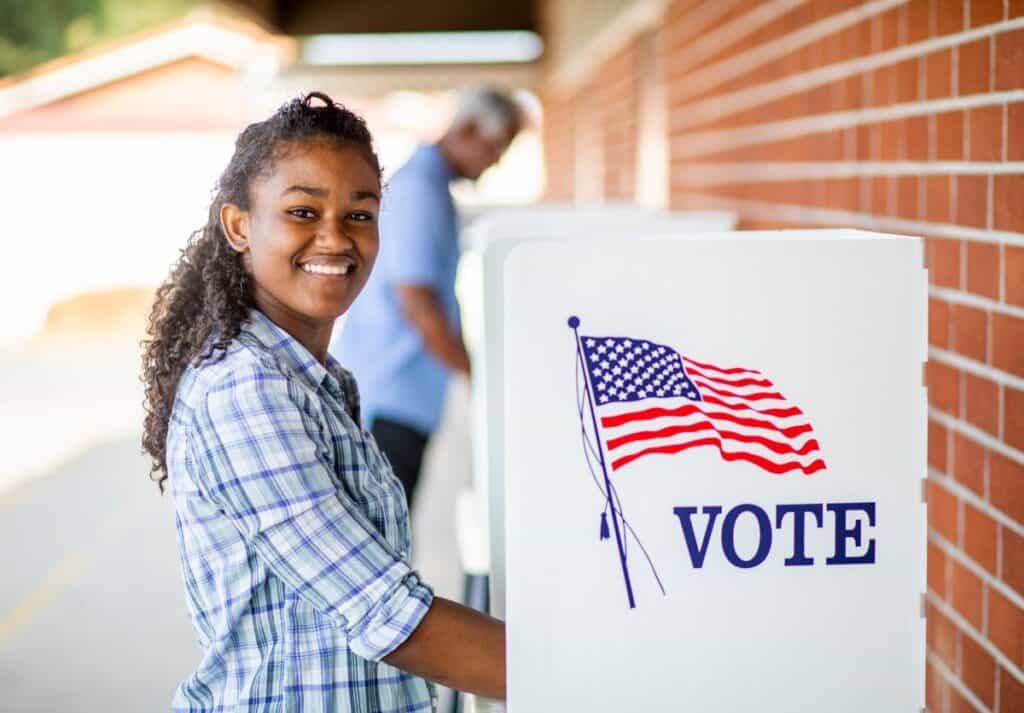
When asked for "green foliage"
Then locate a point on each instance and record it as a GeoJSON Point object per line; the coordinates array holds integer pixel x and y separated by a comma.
{"type": "Point", "coordinates": [33, 31]}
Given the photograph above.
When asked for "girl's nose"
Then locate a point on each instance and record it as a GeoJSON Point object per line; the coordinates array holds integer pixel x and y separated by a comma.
{"type": "Point", "coordinates": [334, 233]}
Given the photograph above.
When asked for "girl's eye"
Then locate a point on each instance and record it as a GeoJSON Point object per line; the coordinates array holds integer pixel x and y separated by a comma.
{"type": "Point", "coordinates": [360, 217]}
{"type": "Point", "coordinates": [304, 213]}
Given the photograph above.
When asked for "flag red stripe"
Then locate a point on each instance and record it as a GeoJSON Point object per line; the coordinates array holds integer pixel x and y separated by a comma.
{"type": "Point", "coordinates": [730, 382]}
{"type": "Point", "coordinates": [763, 463]}
{"type": "Point", "coordinates": [777, 412]}
{"type": "Point", "coordinates": [779, 447]}
{"type": "Point", "coordinates": [737, 370]}
{"type": "Point", "coordinates": [635, 436]}
{"type": "Point", "coordinates": [652, 413]}
{"type": "Point", "coordinates": [789, 432]}
{"type": "Point", "coordinates": [774, 446]}
{"type": "Point", "coordinates": [756, 396]}
{"type": "Point", "coordinates": [646, 415]}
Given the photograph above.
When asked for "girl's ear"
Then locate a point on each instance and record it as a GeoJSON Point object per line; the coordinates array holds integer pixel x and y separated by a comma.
{"type": "Point", "coordinates": [235, 223]}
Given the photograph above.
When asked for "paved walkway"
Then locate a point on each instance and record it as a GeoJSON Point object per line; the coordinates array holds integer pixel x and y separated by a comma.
{"type": "Point", "coordinates": [92, 611]}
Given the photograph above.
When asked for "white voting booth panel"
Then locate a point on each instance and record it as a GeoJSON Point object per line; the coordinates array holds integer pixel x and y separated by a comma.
{"type": "Point", "coordinates": [715, 450]}
{"type": "Point", "coordinates": [481, 308]}
{"type": "Point", "coordinates": [551, 220]}
{"type": "Point", "coordinates": [490, 239]}
{"type": "Point", "coordinates": [542, 220]}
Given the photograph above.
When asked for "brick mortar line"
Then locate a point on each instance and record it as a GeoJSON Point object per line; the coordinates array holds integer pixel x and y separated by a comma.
{"type": "Point", "coordinates": [959, 297]}
{"type": "Point", "coordinates": [699, 18]}
{"type": "Point", "coordinates": [707, 142]}
{"type": "Point", "coordinates": [971, 366]}
{"type": "Point", "coordinates": [990, 201]}
{"type": "Point", "coordinates": [1002, 273]}
{"type": "Point", "coordinates": [731, 32]}
{"type": "Point", "coordinates": [959, 685]}
{"type": "Point", "coordinates": [977, 435]}
{"type": "Point", "coordinates": [966, 627]}
{"type": "Point", "coordinates": [984, 575]}
{"type": "Point", "coordinates": [966, 364]}
{"type": "Point", "coordinates": [749, 97]}
{"type": "Point", "coordinates": [829, 216]}
{"type": "Point", "coordinates": [995, 693]}
{"type": "Point", "coordinates": [976, 501]}
{"type": "Point", "coordinates": [733, 172]}
{"type": "Point", "coordinates": [1005, 130]}
{"type": "Point", "coordinates": [961, 514]}
{"type": "Point", "coordinates": [962, 246]}
{"type": "Point", "coordinates": [773, 49]}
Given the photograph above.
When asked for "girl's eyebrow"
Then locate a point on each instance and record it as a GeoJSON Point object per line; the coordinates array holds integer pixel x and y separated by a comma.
{"type": "Point", "coordinates": [311, 190]}
{"type": "Point", "coordinates": [323, 193]}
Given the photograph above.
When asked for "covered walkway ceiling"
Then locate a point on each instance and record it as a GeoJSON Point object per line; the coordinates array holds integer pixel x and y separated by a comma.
{"type": "Point", "coordinates": [337, 53]}
{"type": "Point", "coordinates": [315, 17]}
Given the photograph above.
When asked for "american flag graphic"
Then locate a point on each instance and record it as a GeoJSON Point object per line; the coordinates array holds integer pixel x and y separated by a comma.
{"type": "Point", "coordinates": [650, 399]}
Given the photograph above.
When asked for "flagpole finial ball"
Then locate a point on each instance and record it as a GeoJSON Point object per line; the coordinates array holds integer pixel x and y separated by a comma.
{"type": "Point", "coordinates": [574, 322]}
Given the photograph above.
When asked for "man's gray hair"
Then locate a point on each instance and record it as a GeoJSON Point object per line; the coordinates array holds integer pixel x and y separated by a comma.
{"type": "Point", "coordinates": [493, 111]}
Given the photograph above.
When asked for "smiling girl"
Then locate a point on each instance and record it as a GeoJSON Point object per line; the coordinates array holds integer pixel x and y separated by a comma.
{"type": "Point", "coordinates": [292, 529]}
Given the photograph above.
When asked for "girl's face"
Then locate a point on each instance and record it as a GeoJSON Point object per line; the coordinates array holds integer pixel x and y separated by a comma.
{"type": "Point", "coordinates": [309, 238]}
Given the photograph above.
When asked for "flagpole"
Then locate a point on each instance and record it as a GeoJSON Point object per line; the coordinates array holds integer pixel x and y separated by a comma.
{"type": "Point", "coordinates": [574, 323]}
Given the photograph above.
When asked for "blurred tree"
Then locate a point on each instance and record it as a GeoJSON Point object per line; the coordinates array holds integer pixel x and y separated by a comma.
{"type": "Point", "coordinates": [33, 31]}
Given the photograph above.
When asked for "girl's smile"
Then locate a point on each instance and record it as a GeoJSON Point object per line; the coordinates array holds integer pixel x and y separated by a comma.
{"type": "Point", "coordinates": [329, 267]}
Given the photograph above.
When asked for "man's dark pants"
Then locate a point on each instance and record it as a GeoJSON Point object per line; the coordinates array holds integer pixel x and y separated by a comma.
{"type": "Point", "coordinates": [404, 447]}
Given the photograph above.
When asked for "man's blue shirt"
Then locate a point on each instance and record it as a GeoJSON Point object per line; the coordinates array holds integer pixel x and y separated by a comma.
{"type": "Point", "coordinates": [398, 378]}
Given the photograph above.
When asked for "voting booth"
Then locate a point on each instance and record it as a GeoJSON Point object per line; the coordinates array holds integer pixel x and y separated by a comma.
{"type": "Point", "coordinates": [713, 452]}
{"type": "Point", "coordinates": [480, 516]}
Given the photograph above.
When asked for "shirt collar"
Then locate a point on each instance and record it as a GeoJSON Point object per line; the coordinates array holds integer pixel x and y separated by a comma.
{"type": "Point", "coordinates": [289, 352]}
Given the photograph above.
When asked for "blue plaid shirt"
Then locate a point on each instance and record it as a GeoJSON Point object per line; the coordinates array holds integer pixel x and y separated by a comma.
{"type": "Point", "coordinates": [294, 537]}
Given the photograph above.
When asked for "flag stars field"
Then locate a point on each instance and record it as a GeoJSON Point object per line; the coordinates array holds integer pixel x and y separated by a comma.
{"type": "Point", "coordinates": [736, 409]}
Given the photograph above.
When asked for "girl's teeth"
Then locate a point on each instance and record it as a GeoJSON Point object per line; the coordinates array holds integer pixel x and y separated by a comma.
{"type": "Point", "coordinates": [327, 269]}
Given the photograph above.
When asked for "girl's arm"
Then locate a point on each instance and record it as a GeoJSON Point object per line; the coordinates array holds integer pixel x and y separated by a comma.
{"type": "Point", "coordinates": [457, 647]}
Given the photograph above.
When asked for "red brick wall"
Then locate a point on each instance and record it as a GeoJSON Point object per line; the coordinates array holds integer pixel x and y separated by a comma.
{"type": "Point", "coordinates": [559, 148]}
{"type": "Point", "coordinates": [899, 116]}
{"type": "Point", "coordinates": [618, 96]}
{"type": "Point", "coordinates": [592, 132]}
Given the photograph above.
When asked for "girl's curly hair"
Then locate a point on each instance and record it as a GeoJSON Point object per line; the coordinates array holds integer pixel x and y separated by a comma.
{"type": "Point", "coordinates": [201, 306]}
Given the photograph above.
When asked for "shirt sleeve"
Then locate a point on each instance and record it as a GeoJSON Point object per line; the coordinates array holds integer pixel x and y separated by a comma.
{"type": "Point", "coordinates": [416, 225]}
{"type": "Point", "coordinates": [265, 465]}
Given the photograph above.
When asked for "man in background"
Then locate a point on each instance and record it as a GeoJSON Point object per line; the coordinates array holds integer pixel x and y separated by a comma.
{"type": "Point", "coordinates": [402, 337]}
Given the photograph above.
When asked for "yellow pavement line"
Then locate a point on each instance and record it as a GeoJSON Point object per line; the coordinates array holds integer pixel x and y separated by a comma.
{"type": "Point", "coordinates": [60, 579]}
{"type": "Point", "coordinates": [52, 586]}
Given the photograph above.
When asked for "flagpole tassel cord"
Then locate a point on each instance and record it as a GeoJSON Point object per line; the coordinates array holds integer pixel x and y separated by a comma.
{"type": "Point", "coordinates": [574, 323]}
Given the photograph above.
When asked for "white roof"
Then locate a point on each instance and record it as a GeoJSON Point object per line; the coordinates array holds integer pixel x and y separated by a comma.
{"type": "Point", "coordinates": [238, 44]}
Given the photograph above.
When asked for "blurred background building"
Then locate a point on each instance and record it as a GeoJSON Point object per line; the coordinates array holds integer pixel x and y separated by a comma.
{"type": "Point", "coordinates": [903, 116]}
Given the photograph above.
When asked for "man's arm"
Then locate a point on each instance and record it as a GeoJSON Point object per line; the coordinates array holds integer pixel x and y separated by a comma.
{"type": "Point", "coordinates": [457, 647]}
{"type": "Point", "coordinates": [423, 310]}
